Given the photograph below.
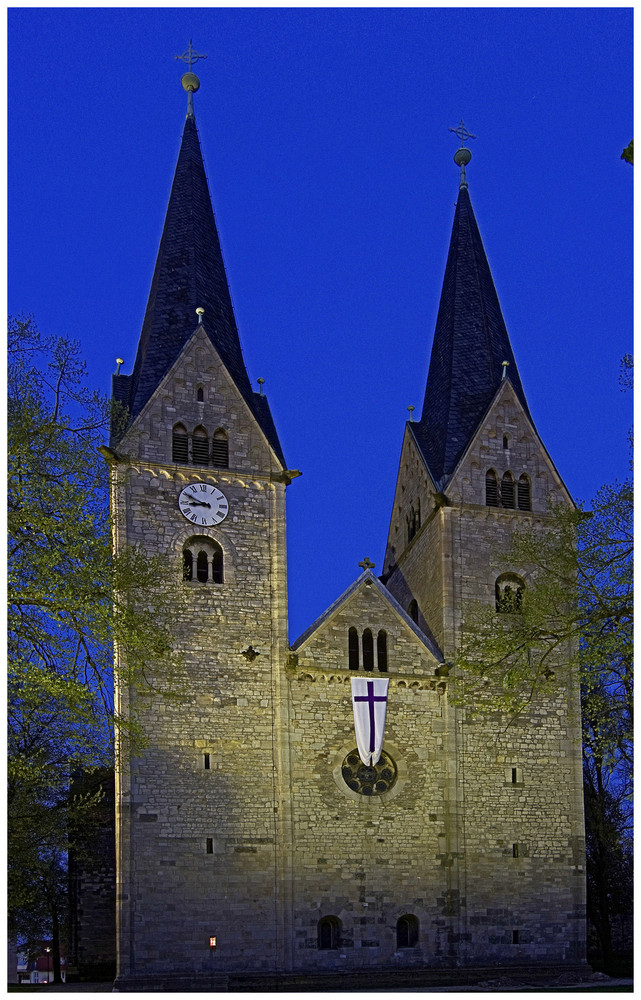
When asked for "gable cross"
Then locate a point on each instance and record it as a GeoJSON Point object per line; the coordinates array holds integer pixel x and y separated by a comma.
{"type": "Point", "coordinates": [367, 563]}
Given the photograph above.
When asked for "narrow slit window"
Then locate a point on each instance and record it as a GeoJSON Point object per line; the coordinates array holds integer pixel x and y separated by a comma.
{"type": "Point", "coordinates": [413, 611]}
{"type": "Point", "coordinates": [506, 441]}
{"type": "Point", "coordinates": [381, 650]}
{"type": "Point", "coordinates": [200, 394]}
{"type": "Point", "coordinates": [352, 648]}
{"type": "Point", "coordinates": [515, 850]}
{"type": "Point", "coordinates": [206, 761]}
{"type": "Point", "coordinates": [368, 650]}
{"type": "Point", "coordinates": [515, 937]}
{"type": "Point", "coordinates": [188, 565]}
{"type": "Point", "coordinates": [210, 845]}
{"type": "Point", "coordinates": [515, 776]}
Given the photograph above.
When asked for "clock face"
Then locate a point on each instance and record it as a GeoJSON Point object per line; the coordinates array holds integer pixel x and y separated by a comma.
{"type": "Point", "coordinates": [203, 504]}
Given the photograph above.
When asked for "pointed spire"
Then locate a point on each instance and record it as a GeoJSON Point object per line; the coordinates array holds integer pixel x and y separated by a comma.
{"type": "Point", "coordinates": [189, 288]}
{"type": "Point", "coordinates": [471, 349]}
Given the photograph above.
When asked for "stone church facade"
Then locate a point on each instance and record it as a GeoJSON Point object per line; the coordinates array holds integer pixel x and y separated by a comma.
{"type": "Point", "coordinates": [250, 836]}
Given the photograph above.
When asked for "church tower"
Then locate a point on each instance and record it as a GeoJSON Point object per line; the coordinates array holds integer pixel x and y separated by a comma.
{"type": "Point", "coordinates": [474, 470]}
{"type": "Point", "coordinates": [198, 475]}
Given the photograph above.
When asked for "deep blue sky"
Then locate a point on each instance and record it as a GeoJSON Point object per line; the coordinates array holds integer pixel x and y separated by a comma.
{"type": "Point", "coordinates": [326, 142]}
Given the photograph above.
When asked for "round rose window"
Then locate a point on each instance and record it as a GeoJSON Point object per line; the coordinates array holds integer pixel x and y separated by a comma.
{"type": "Point", "coordinates": [368, 780]}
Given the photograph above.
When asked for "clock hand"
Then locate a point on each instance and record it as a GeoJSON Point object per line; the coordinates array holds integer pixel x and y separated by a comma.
{"type": "Point", "coordinates": [198, 503]}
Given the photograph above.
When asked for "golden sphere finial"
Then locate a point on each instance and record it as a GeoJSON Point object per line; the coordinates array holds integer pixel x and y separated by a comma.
{"type": "Point", "coordinates": [190, 82]}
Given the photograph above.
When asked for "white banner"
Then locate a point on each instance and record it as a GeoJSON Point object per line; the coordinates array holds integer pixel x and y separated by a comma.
{"type": "Point", "coordinates": [369, 700]}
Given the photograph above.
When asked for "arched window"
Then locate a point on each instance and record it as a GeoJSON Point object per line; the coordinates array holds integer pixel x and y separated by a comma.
{"type": "Point", "coordinates": [381, 650]}
{"type": "Point", "coordinates": [407, 931]}
{"type": "Point", "coordinates": [368, 650]}
{"type": "Point", "coordinates": [506, 440]}
{"type": "Point", "coordinates": [491, 489]}
{"type": "Point", "coordinates": [413, 611]}
{"type": "Point", "coordinates": [179, 444]}
{"type": "Point", "coordinates": [202, 560]}
{"type": "Point", "coordinates": [329, 933]}
{"type": "Point", "coordinates": [352, 648]}
{"type": "Point", "coordinates": [507, 490]}
{"type": "Point", "coordinates": [202, 567]}
{"type": "Point", "coordinates": [220, 449]}
{"type": "Point", "coordinates": [200, 394]}
{"type": "Point", "coordinates": [217, 565]}
{"type": "Point", "coordinates": [524, 493]}
{"type": "Point", "coordinates": [508, 594]}
{"type": "Point", "coordinates": [200, 446]}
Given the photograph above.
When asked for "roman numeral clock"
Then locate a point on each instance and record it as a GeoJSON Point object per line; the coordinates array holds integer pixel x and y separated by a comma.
{"type": "Point", "coordinates": [203, 504]}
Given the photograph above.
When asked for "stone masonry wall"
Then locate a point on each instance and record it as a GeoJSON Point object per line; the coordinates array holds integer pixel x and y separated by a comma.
{"type": "Point", "coordinates": [198, 834]}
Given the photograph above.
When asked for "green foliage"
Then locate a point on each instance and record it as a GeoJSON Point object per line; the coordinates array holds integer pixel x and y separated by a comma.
{"type": "Point", "coordinates": [70, 602]}
{"type": "Point", "coordinates": [628, 153]}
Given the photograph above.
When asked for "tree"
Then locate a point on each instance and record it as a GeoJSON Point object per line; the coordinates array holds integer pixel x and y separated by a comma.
{"type": "Point", "coordinates": [70, 601]}
{"type": "Point", "coordinates": [628, 153]}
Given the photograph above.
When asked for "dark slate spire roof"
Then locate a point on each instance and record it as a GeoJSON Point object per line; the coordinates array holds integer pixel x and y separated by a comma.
{"type": "Point", "coordinates": [189, 274]}
{"type": "Point", "coordinates": [470, 344]}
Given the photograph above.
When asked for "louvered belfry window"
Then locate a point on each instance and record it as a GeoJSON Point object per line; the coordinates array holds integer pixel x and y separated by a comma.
{"type": "Point", "coordinates": [179, 444]}
{"type": "Point", "coordinates": [507, 490]}
{"type": "Point", "coordinates": [524, 493]}
{"type": "Point", "coordinates": [200, 447]}
{"type": "Point", "coordinates": [491, 489]}
{"type": "Point", "coordinates": [220, 450]}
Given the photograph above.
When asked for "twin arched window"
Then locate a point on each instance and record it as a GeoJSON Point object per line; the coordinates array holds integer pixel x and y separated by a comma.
{"type": "Point", "coordinates": [507, 493]}
{"type": "Point", "coordinates": [508, 594]}
{"type": "Point", "coordinates": [367, 645]}
{"type": "Point", "coordinates": [199, 447]}
{"type": "Point", "coordinates": [203, 561]}
{"type": "Point", "coordinates": [330, 928]}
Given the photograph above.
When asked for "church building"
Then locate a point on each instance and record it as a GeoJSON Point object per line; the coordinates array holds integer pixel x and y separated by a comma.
{"type": "Point", "coordinates": [257, 833]}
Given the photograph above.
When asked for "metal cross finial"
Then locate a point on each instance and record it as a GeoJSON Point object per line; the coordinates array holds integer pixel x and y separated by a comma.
{"type": "Point", "coordinates": [462, 133]}
{"type": "Point", "coordinates": [367, 563]}
{"type": "Point", "coordinates": [189, 56]}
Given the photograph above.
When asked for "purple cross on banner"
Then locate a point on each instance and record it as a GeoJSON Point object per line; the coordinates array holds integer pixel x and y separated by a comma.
{"type": "Point", "coordinates": [369, 701]}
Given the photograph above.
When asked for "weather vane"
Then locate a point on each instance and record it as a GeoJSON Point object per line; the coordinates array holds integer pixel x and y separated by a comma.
{"type": "Point", "coordinates": [462, 133]}
{"type": "Point", "coordinates": [189, 56]}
